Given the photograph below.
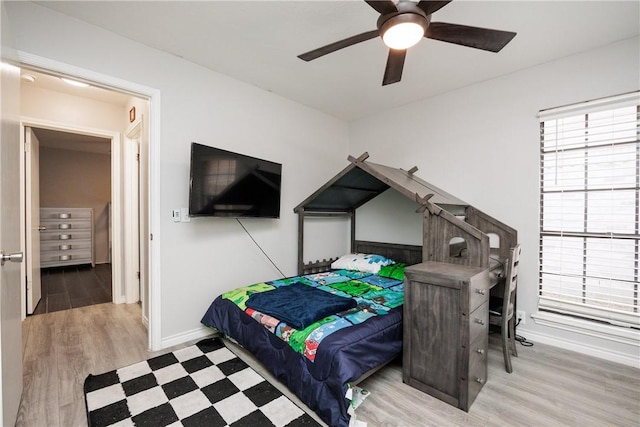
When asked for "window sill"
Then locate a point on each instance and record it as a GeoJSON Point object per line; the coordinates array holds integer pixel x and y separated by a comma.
{"type": "Point", "coordinates": [619, 334]}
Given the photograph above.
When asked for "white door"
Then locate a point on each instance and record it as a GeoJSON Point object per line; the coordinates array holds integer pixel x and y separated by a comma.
{"type": "Point", "coordinates": [143, 230]}
{"type": "Point", "coordinates": [132, 216]}
{"type": "Point", "coordinates": [138, 136]}
{"type": "Point", "coordinates": [10, 283]}
{"type": "Point", "coordinates": [32, 221]}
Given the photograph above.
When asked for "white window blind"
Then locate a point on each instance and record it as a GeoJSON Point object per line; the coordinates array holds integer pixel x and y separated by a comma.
{"type": "Point", "coordinates": [590, 209]}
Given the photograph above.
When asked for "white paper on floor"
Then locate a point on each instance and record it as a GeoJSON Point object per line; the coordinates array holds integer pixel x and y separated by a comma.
{"type": "Point", "coordinates": [357, 395]}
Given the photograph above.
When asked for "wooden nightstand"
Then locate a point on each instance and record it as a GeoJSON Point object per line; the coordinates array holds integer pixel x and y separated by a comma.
{"type": "Point", "coordinates": [446, 320]}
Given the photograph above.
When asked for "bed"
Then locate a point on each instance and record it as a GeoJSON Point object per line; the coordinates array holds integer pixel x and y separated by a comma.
{"type": "Point", "coordinates": [452, 232]}
{"type": "Point", "coordinates": [329, 356]}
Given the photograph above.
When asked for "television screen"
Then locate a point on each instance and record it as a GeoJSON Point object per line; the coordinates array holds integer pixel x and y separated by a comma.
{"type": "Point", "coordinates": [227, 184]}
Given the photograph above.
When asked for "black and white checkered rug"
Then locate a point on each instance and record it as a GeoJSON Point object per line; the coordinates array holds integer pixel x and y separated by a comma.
{"type": "Point", "coordinates": [202, 385]}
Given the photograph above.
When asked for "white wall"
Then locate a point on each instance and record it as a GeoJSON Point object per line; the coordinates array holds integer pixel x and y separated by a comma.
{"type": "Point", "coordinates": [481, 143]}
{"type": "Point", "coordinates": [406, 228]}
{"type": "Point", "coordinates": [200, 259]}
{"type": "Point", "coordinates": [52, 106]}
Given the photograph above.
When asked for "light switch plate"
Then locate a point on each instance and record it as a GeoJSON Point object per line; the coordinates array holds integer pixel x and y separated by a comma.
{"type": "Point", "coordinates": [184, 212]}
{"type": "Point", "coordinates": [176, 215]}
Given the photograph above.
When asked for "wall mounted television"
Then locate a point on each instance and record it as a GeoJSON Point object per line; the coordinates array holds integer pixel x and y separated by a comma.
{"type": "Point", "coordinates": [227, 184]}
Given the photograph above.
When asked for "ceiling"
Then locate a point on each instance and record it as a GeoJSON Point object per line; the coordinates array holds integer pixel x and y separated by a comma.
{"type": "Point", "coordinates": [257, 42]}
{"type": "Point", "coordinates": [72, 141]}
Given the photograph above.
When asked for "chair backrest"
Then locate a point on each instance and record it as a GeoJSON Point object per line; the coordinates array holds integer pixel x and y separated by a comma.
{"type": "Point", "coordinates": [511, 281]}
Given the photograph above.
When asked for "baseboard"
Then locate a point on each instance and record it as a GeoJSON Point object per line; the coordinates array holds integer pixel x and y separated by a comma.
{"type": "Point", "coordinates": [145, 322]}
{"type": "Point", "coordinates": [612, 356]}
{"type": "Point", "coordinates": [194, 334]}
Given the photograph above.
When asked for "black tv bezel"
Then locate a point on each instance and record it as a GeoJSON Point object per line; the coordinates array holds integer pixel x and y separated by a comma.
{"type": "Point", "coordinates": [240, 156]}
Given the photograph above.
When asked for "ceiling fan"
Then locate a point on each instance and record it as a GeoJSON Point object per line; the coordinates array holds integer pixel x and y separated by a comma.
{"type": "Point", "coordinates": [403, 24]}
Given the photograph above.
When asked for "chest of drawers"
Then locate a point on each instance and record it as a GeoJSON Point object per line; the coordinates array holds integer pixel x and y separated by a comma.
{"type": "Point", "coordinates": [67, 237]}
{"type": "Point", "coordinates": [445, 338]}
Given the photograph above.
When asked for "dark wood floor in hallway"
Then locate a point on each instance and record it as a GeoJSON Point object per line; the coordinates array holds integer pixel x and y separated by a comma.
{"type": "Point", "coordinates": [74, 286]}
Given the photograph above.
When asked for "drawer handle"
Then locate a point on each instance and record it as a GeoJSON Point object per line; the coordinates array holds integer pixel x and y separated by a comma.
{"type": "Point", "coordinates": [481, 291]}
{"type": "Point", "coordinates": [480, 351]}
{"type": "Point", "coordinates": [64, 236]}
{"type": "Point", "coordinates": [64, 247]}
{"type": "Point", "coordinates": [479, 380]}
{"type": "Point", "coordinates": [479, 321]}
{"type": "Point", "coordinates": [64, 226]}
{"type": "Point", "coordinates": [65, 257]}
{"type": "Point", "coordinates": [64, 215]}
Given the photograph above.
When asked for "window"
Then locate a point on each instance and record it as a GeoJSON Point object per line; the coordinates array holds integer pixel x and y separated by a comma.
{"type": "Point", "coordinates": [590, 209]}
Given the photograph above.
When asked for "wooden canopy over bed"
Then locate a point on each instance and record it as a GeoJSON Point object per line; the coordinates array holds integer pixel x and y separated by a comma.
{"type": "Point", "coordinates": [453, 231]}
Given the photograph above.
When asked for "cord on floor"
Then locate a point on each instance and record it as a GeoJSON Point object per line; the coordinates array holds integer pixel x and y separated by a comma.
{"type": "Point", "coordinates": [522, 340]}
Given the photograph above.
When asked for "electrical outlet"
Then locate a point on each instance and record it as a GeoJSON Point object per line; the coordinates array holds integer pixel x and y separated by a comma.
{"type": "Point", "coordinates": [521, 317]}
{"type": "Point", "coordinates": [176, 215]}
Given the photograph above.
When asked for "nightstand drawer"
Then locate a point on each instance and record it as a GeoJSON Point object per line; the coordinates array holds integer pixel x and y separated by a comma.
{"type": "Point", "coordinates": [479, 322]}
{"type": "Point", "coordinates": [478, 294]}
{"type": "Point", "coordinates": [478, 351]}
{"type": "Point", "coordinates": [67, 225]}
{"type": "Point", "coordinates": [477, 366]}
{"type": "Point", "coordinates": [78, 256]}
{"type": "Point", "coordinates": [56, 235]}
{"type": "Point", "coordinates": [65, 245]}
{"type": "Point", "coordinates": [65, 214]}
{"type": "Point", "coordinates": [65, 235]}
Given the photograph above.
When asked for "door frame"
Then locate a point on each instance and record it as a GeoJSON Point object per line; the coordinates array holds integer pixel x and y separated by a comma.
{"type": "Point", "coordinates": [30, 145]}
{"type": "Point", "coordinates": [153, 241]}
{"type": "Point", "coordinates": [131, 196]}
{"type": "Point", "coordinates": [116, 197]}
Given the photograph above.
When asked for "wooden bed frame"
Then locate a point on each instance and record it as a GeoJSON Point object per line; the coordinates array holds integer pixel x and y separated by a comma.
{"type": "Point", "coordinates": [453, 232]}
{"type": "Point", "coordinates": [408, 254]}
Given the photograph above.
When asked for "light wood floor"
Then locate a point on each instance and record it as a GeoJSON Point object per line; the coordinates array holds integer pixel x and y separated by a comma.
{"type": "Point", "coordinates": [549, 386]}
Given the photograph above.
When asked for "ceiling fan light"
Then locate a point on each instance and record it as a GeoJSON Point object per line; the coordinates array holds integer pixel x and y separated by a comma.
{"type": "Point", "coordinates": [403, 31]}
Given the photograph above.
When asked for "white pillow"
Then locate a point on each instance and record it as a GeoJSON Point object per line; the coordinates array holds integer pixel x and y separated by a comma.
{"type": "Point", "coordinates": [368, 263]}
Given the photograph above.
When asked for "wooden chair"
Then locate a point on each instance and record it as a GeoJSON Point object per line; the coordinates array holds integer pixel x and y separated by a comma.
{"type": "Point", "coordinates": [501, 310]}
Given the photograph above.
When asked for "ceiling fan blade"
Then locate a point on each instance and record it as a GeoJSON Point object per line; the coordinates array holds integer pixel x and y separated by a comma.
{"type": "Point", "coordinates": [395, 64]}
{"type": "Point", "coordinates": [382, 7]}
{"type": "Point", "coordinates": [480, 38]}
{"type": "Point", "coordinates": [432, 6]}
{"type": "Point", "coordinates": [321, 51]}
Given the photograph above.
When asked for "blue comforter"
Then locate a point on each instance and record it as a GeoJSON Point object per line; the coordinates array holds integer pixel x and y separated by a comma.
{"type": "Point", "coordinates": [299, 305]}
{"type": "Point", "coordinates": [342, 358]}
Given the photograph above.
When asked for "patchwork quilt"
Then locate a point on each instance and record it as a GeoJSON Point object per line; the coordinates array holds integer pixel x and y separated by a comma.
{"type": "Point", "coordinates": [373, 295]}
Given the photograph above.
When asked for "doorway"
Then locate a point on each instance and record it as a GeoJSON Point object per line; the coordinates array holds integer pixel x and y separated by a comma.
{"type": "Point", "coordinates": [73, 188]}
{"type": "Point", "coordinates": [148, 110]}
{"type": "Point", "coordinates": [117, 209]}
